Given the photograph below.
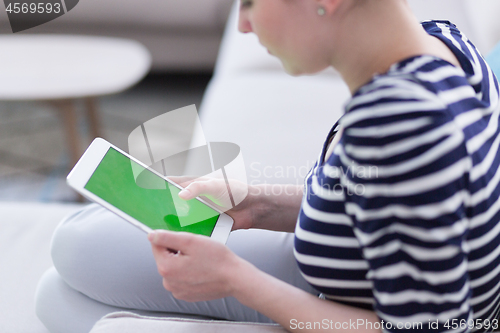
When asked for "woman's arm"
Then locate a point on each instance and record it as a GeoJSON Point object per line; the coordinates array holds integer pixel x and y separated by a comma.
{"type": "Point", "coordinates": [205, 270]}
{"type": "Point", "coordinates": [295, 309]}
{"type": "Point", "coordinates": [276, 207]}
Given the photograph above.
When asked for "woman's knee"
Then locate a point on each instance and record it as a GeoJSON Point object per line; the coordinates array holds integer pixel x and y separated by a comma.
{"type": "Point", "coordinates": [101, 255]}
{"type": "Point", "coordinates": [74, 240]}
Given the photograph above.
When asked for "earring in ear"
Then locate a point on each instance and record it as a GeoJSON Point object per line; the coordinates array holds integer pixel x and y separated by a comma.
{"type": "Point", "coordinates": [321, 11]}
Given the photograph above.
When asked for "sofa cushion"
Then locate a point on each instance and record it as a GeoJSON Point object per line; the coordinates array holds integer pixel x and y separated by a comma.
{"type": "Point", "coordinates": [186, 15]}
{"type": "Point", "coordinates": [25, 233]}
{"type": "Point", "coordinates": [279, 122]}
{"type": "Point", "coordinates": [126, 322]}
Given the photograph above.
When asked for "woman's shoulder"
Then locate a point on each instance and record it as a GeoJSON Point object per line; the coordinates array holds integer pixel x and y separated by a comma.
{"type": "Point", "coordinates": [419, 87]}
{"type": "Point", "coordinates": [408, 113]}
{"type": "Point", "coordinates": [400, 94]}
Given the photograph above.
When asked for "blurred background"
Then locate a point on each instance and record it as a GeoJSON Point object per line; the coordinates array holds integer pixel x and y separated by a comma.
{"type": "Point", "coordinates": [183, 38]}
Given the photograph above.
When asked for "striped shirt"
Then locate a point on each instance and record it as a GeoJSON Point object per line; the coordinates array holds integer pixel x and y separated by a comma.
{"type": "Point", "coordinates": [403, 217]}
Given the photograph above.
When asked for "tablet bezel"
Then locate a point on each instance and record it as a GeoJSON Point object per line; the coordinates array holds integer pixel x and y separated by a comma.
{"type": "Point", "coordinates": [88, 163]}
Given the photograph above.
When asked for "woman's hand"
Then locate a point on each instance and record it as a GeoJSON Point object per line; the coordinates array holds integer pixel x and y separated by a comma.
{"type": "Point", "coordinates": [271, 207]}
{"type": "Point", "coordinates": [214, 191]}
{"type": "Point", "coordinates": [194, 268]}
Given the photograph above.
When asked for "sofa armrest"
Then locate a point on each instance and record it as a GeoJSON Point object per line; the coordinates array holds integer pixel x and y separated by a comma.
{"type": "Point", "coordinates": [126, 322]}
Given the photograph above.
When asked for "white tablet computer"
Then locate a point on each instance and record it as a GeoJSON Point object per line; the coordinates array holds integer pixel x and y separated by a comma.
{"type": "Point", "coordinates": [107, 175]}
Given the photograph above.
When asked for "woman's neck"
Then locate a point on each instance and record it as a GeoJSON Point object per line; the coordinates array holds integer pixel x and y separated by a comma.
{"type": "Point", "coordinates": [371, 37]}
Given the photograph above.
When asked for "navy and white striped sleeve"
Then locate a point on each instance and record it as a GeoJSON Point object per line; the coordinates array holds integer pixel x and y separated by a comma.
{"type": "Point", "coordinates": [406, 193]}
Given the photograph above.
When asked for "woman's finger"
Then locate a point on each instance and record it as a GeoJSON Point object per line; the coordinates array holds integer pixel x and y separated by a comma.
{"type": "Point", "coordinates": [173, 241]}
{"type": "Point", "coordinates": [184, 181]}
{"type": "Point", "coordinates": [194, 190]}
{"type": "Point", "coordinates": [211, 188]}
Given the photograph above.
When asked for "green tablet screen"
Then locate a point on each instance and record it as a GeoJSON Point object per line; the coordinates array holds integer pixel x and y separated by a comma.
{"type": "Point", "coordinates": [156, 205]}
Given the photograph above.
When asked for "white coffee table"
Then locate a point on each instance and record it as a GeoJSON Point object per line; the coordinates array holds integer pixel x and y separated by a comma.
{"type": "Point", "coordinates": [60, 69]}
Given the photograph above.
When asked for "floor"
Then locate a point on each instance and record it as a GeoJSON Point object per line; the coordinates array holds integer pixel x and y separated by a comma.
{"type": "Point", "coordinates": [33, 156]}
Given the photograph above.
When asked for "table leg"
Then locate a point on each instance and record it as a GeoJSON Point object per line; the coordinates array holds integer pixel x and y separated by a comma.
{"type": "Point", "coordinates": [93, 117]}
{"type": "Point", "coordinates": [67, 112]}
{"type": "Point", "coordinates": [66, 109]}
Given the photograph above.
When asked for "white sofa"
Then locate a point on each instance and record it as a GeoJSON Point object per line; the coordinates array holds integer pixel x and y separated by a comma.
{"type": "Point", "coordinates": [181, 35]}
{"type": "Point", "coordinates": [25, 233]}
{"type": "Point", "coordinates": [250, 101]}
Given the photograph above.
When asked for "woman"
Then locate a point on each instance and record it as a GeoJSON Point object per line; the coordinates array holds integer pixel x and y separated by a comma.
{"type": "Point", "coordinates": [398, 222]}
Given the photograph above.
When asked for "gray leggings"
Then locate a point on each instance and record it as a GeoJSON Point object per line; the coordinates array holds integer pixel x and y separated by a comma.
{"type": "Point", "coordinates": [104, 264]}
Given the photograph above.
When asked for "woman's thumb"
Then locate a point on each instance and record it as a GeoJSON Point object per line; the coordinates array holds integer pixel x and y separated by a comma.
{"type": "Point", "coordinates": [186, 194]}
